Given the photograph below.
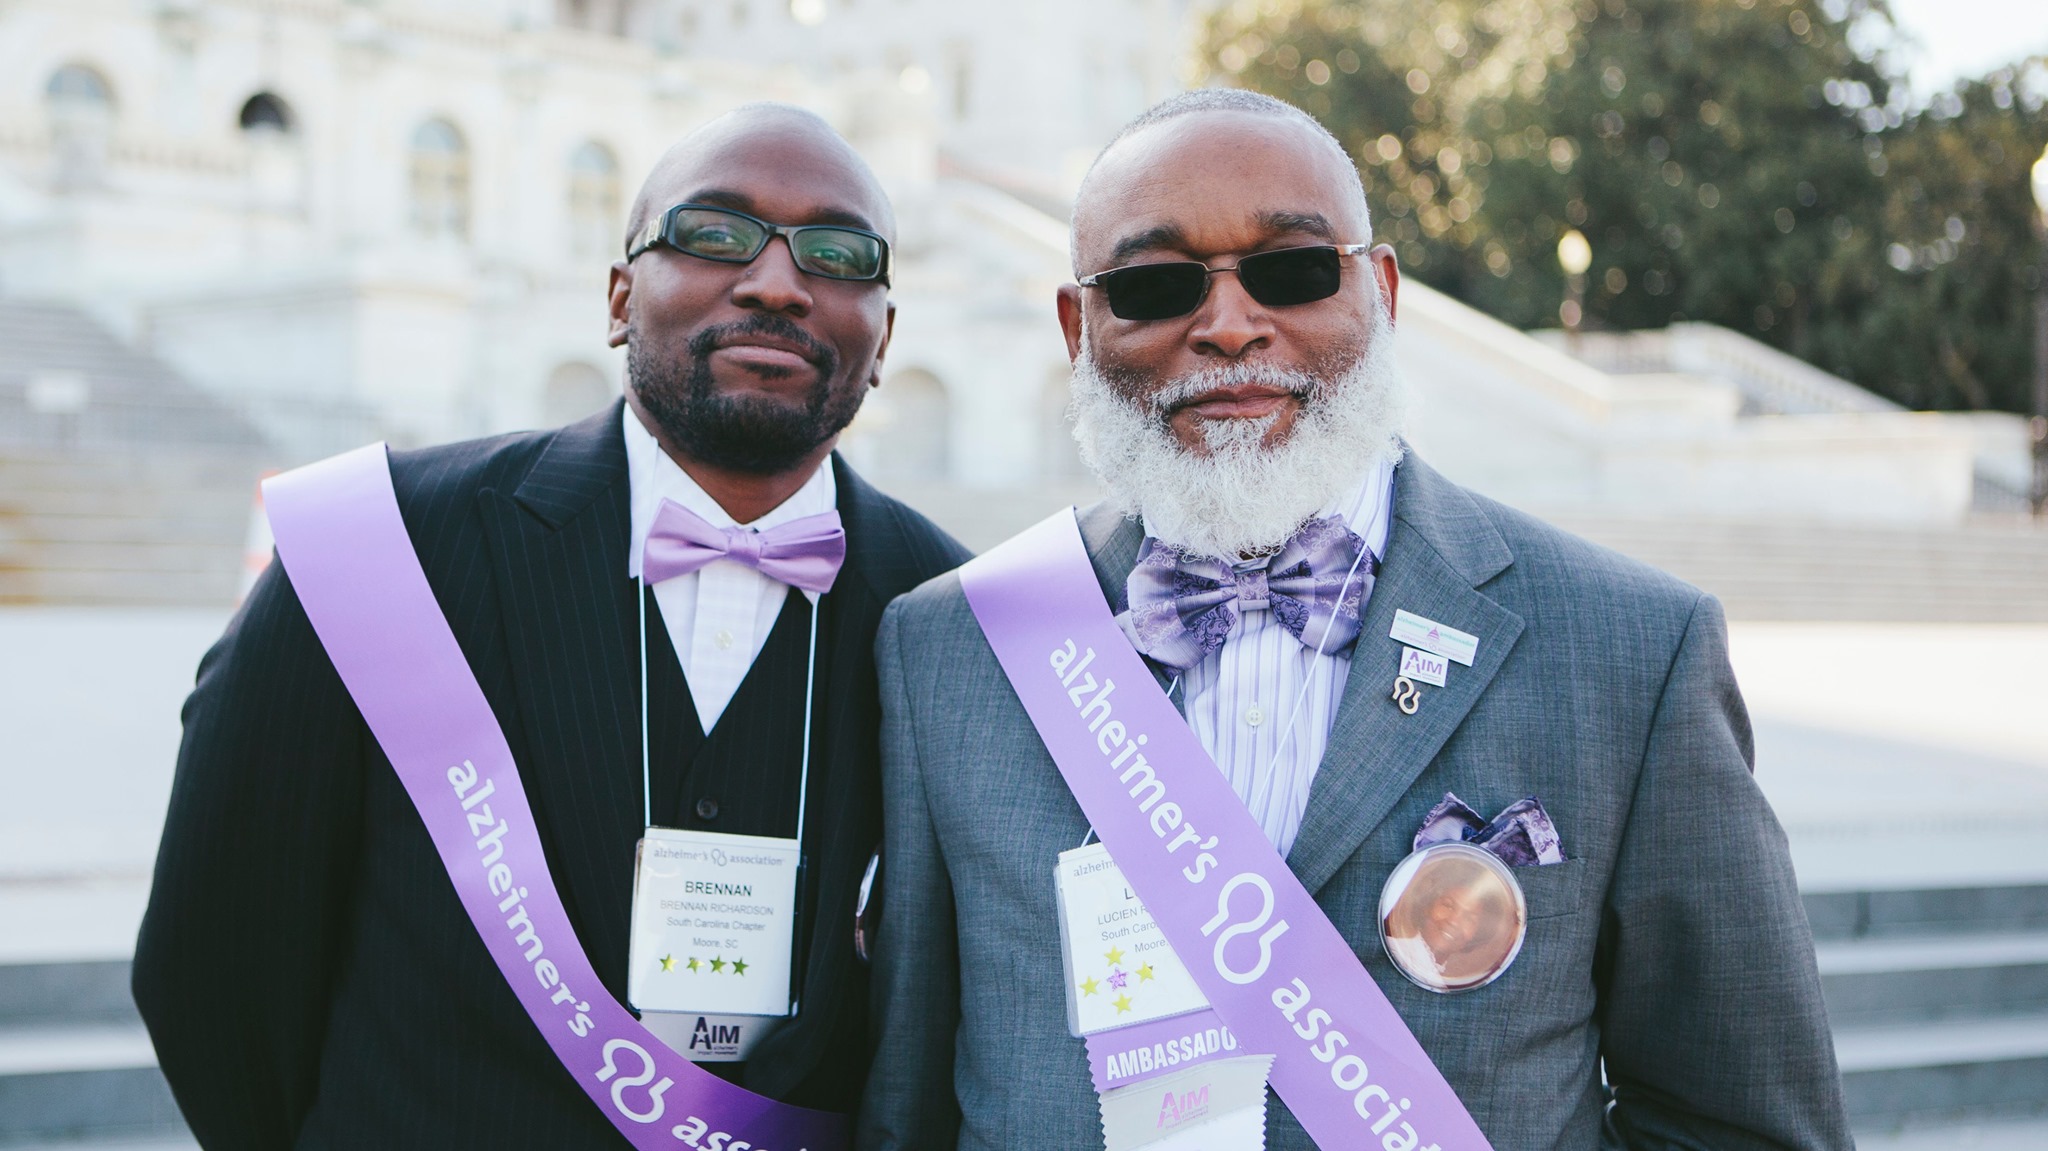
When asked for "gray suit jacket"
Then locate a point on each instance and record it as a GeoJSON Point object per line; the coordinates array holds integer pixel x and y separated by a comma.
{"type": "Point", "coordinates": [1670, 947]}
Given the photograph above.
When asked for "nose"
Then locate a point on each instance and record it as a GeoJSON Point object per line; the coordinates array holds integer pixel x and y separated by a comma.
{"type": "Point", "coordinates": [773, 282]}
{"type": "Point", "coordinates": [1229, 322]}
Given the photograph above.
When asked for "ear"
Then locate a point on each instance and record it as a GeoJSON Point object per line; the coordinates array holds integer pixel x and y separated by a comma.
{"type": "Point", "coordinates": [619, 302]}
{"type": "Point", "coordinates": [1388, 273]}
{"type": "Point", "coordinates": [888, 330]}
{"type": "Point", "coordinates": [1068, 302]}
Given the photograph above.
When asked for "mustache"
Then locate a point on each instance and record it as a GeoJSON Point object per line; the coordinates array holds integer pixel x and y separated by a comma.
{"type": "Point", "coordinates": [1163, 400]}
{"type": "Point", "coordinates": [708, 340]}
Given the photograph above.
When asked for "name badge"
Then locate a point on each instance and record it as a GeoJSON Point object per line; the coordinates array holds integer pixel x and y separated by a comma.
{"type": "Point", "coordinates": [714, 926]}
{"type": "Point", "coordinates": [1120, 970]}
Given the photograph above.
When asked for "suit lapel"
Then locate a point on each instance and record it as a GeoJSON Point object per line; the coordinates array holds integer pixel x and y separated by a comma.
{"type": "Point", "coordinates": [559, 545]}
{"type": "Point", "coordinates": [1113, 541]}
{"type": "Point", "coordinates": [1441, 549]}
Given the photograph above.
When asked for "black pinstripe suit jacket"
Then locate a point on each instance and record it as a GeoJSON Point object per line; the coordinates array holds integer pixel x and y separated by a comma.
{"type": "Point", "coordinates": [305, 969]}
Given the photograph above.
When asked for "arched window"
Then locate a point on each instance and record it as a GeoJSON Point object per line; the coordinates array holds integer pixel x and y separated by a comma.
{"type": "Point", "coordinates": [79, 84]}
{"type": "Point", "coordinates": [266, 112]}
{"type": "Point", "coordinates": [574, 390]}
{"type": "Point", "coordinates": [81, 109]}
{"type": "Point", "coordinates": [595, 228]}
{"type": "Point", "coordinates": [440, 180]}
{"type": "Point", "coordinates": [277, 167]}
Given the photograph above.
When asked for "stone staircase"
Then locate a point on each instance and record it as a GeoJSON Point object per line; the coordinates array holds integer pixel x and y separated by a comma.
{"type": "Point", "coordinates": [1939, 1002]}
{"type": "Point", "coordinates": [157, 528]}
{"type": "Point", "coordinates": [76, 1067]}
{"type": "Point", "coordinates": [1990, 571]}
{"type": "Point", "coordinates": [120, 482]}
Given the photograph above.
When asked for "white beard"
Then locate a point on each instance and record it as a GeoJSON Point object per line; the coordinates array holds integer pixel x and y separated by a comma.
{"type": "Point", "coordinates": [1242, 498]}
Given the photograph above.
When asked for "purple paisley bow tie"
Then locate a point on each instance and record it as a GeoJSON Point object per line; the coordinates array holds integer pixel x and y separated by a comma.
{"type": "Point", "coordinates": [1182, 607]}
{"type": "Point", "coordinates": [804, 553]}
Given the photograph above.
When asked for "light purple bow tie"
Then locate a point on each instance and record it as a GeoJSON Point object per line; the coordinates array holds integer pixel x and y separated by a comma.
{"type": "Point", "coordinates": [1183, 607]}
{"type": "Point", "coordinates": [804, 553]}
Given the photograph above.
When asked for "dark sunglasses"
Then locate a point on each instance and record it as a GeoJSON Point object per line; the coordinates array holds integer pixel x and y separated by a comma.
{"type": "Point", "coordinates": [729, 237]}
{"type": "Point", "coordinates": [1175, 288]}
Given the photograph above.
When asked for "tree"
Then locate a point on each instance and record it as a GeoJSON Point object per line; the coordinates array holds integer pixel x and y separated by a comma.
{"type": "Point", "coordinates": [1735, 161]}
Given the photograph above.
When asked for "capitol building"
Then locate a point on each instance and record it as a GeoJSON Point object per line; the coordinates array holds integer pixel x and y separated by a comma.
{"type": "Point", "coordinates": [342, 220]}
{"type": "Point", "coordinates": [394, 219]}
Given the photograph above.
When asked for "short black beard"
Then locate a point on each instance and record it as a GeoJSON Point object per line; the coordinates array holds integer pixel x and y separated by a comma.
{"type": "Point", "coordinates": [753, 436]}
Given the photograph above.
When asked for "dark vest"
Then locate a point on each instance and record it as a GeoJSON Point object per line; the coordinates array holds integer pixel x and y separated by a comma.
{"type": "Point", "coordinates": [741, 777]}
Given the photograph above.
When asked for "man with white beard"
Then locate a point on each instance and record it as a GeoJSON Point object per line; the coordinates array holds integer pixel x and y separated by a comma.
{"type": "Point", "coordinates": [1286, 674]}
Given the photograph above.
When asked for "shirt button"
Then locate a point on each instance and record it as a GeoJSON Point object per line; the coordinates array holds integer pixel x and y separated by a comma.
{"type": "Point", "coordinates": [1254, 715]}
{"type": "Point", "coordinates": [723, 639]}
{"type": "Point", "coordinates": [707, 808]}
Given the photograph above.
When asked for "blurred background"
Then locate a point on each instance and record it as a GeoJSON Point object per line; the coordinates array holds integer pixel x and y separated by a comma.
{"type": "Point", "coordinates": [1753, 290]}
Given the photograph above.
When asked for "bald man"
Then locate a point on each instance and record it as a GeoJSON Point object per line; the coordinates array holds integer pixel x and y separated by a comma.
{"type": "Point", "coordinates": [1350, 638]}
{"type": "Point", "coordinates": [306, 970]}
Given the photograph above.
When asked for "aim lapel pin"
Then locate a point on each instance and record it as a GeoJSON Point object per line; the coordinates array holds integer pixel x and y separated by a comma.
{"type": "Point", "coordinates": [1426, 657]}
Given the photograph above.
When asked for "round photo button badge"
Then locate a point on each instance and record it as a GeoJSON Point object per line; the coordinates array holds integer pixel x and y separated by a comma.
{"type": "Point", "coordinates": [1452, 917]}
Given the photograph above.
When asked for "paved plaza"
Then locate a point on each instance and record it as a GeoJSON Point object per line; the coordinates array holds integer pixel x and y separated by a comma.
{"type": "Point", "coordinates": [1898, 756]}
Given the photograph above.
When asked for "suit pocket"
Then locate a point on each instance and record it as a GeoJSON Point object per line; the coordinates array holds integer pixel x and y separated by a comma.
{"type": "Point", "coordinates": [1552, 889]}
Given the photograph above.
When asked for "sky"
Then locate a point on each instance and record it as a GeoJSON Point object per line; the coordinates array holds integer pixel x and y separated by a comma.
{"type": "Point", "coordinates": [1969, 37]}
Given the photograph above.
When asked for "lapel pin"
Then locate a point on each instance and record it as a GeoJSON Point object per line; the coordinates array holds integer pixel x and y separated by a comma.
{"type": "Point", "coordinates": [1435, 638]}
{"type": "Point", "coordinates": [1406, 695]}
{"type": "Point", "coordinates": [1418, 667]}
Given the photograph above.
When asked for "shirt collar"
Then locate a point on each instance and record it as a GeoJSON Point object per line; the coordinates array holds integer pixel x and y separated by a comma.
{"type": "Point", "coordinates": [655, 477]}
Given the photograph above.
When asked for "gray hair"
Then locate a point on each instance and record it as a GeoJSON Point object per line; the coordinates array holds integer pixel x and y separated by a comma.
{"type": "Point", "coordinates": [1202, 100]}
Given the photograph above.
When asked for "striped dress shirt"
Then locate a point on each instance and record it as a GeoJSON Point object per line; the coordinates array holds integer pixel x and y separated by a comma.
{"type": "Point", "coordinates": [1241, 698]}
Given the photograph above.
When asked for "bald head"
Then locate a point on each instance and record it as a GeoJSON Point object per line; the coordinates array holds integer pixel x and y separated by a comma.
{"type": "Point", "coordinates": [809, 154]}
{"type": "Point", "coordinates": [1214, 137]}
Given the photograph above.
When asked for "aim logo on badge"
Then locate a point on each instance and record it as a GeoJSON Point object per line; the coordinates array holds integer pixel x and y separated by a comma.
{"type": "Point", "coordinates": [1424, 667]}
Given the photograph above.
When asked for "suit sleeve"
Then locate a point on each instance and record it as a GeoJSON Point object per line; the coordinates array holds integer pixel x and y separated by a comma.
{"type": "Point", "coordinates": [910, 1104]}
{"type": "Point", "coordinates": [246, 922]}
{"type": "Point", "coordinates": [1713, 1030]}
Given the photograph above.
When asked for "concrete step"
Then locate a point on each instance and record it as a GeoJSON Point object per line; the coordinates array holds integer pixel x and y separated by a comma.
{"type": "Point", "coordinates": [2005, 1134]}
{"type": "Point", "coordinates": [1991, 571]}
{"type": "Point", "coordinates": [1944, 1070]}
{"type": "Point", "coordinates": [81, 1080]}
{"type": "Point", "coordinates": [83, 991]}
{"type": "Point", "coordinates": [1927, 912]}
{"type": "Point", "coordinates": [1908, 978]}
{"type": "Point", "coordinates": [75, 1060]}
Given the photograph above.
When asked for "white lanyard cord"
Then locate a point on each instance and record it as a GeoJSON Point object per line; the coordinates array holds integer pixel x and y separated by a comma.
{"type": "Point", "coordinates": [1308, 676]}
{"type": "Point", "coordinates": [646, 771]}
{"type": "Point", "coordinates": [803, 787]}
{"type": "Point", "coordinates": [803, 777]}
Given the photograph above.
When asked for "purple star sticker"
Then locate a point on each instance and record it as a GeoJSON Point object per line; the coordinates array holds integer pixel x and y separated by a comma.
{"type": "Point", "coordinates": [1117, 979]}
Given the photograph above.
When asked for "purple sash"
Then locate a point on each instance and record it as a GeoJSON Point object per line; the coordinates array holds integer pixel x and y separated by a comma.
{"type": "Point", "coordinates": [342, 542]}
{"type": "Point", "coordinates": [1273, 967]}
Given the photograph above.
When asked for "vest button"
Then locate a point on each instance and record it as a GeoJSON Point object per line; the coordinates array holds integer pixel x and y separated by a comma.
{"type": "Point", "coordinates": [707, 808]}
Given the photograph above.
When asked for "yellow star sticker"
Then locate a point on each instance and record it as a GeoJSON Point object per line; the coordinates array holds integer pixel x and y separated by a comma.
{"type": "Point", "coordinates": [1144, 973]}
{"type": "Point", "coordinates": [694, 964]}
{"type": "Point", "coordinates": [717, 965]}
{"type": "Point", "coordinates": [1115, 955]}
{"type": "Point", "coordinates": [1123, 1003]}
{"type": "Point", "coordinates": [739, 967]}
{"type": "Point", "coordinates": [668, 963]}
{"type": "Point", "coordinates": [1088, 986]}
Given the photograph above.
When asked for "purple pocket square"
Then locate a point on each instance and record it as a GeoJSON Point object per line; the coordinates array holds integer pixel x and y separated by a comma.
{"type": "Point", "coordinates": [1521, 835]}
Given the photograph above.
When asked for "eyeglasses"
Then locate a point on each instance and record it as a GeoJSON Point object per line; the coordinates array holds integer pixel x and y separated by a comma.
{"type": "Point", "coordinates": [1277, 279]}
{"type": "Point", "coordinates": [729, 237]}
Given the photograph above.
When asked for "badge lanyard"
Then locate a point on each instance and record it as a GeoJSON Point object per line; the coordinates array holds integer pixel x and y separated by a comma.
{"type": "Point", "coordinates": [803, 786]}
{"type": "Point", "coordinates": [706, 905]}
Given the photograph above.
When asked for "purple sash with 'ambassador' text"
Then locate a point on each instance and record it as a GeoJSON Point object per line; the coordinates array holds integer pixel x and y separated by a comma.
{"type": "Point", "coordinates": [353, 566]}
{"type": "Point", "coordinates": [1270, 962]}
